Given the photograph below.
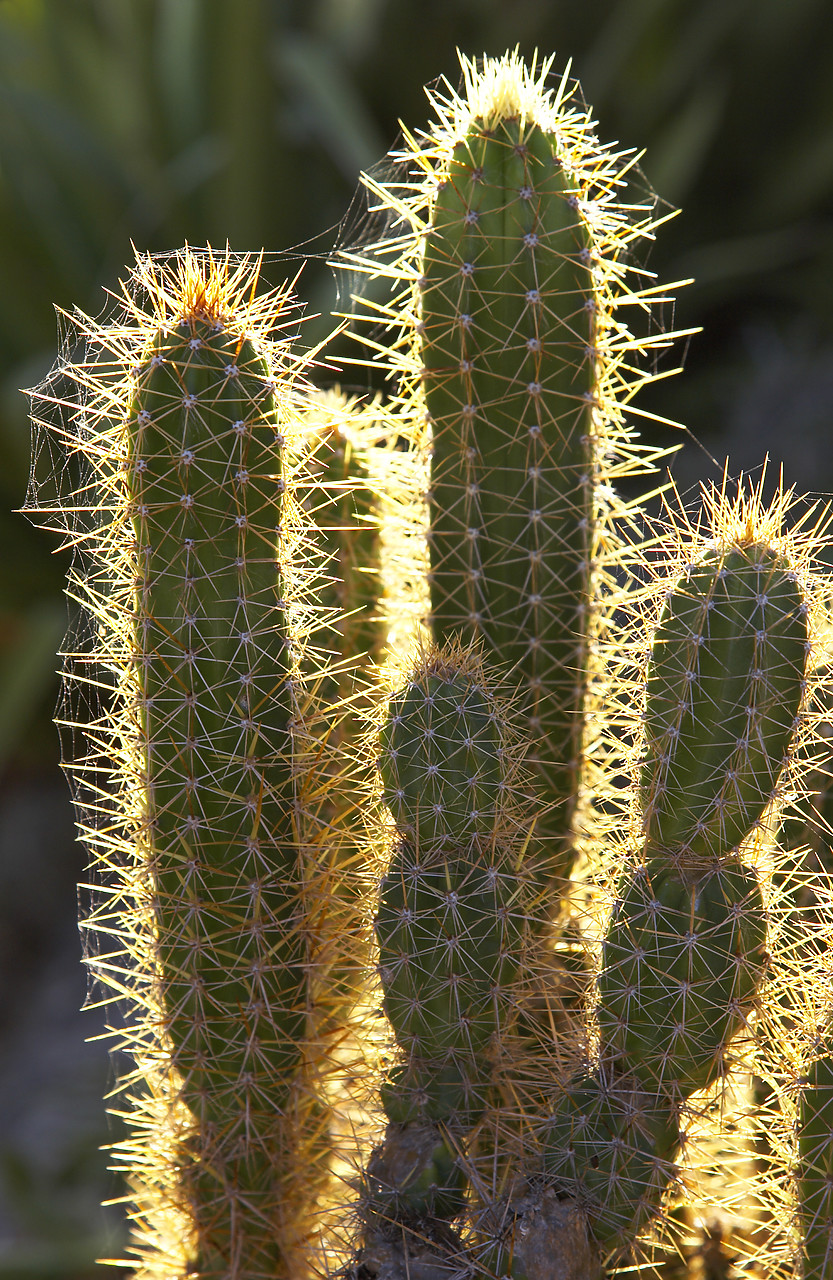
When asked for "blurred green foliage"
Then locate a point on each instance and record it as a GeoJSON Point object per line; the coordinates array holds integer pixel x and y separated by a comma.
{"type": "Point", "coordinates": [160, 121]}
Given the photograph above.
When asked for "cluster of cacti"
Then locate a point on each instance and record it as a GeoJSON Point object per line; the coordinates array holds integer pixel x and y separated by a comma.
{"type": "Point", "coordinates": [418, 985]}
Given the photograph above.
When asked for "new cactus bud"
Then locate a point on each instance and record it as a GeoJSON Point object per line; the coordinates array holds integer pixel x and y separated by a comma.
{"type": "Point", "coordinates": [450, 920]}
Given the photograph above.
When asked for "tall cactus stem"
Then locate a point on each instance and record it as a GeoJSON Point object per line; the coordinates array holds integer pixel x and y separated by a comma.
{"type": "Point", "coordinates": [505, 253]}
{"type": "Point", "coordinates": [199, 792]}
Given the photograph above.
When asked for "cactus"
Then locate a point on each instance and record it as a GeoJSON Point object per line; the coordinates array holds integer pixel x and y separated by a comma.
{"type": "Point", "coordinates": [511, 349]}
{"type": "Point", "coordinates": [418, 986]}
{"type": "Point", "coordinates": [724, 689]}
{"type": "Point", "coordinates": [209, 829]}
{"type": "Point", "coordinates": [450, 929]}
{"type": "Point", "coordinates": [815, 1169]}
{"type": "Point", "coordinates": [215, 685]}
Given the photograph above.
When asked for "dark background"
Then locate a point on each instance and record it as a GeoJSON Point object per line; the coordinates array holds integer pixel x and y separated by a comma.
{"type": "Point", "coordinates": [249, 120]}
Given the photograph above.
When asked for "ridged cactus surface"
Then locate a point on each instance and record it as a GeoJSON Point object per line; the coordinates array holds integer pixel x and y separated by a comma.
{"type": "Point", "coordinates": [215, 677]}
{"type": "Point", "coordinates": [610, 1142]}
{"type": "Point", "coordinates": [441, 759]}
{"type": "Point", "coordinates": [724, 688]}
{"type": "Point", "coordinates": [450, 928]}
{"type": "Point", "coordinates": [507, 341]}
{"type": "Point", "coordinates": [691, 954]}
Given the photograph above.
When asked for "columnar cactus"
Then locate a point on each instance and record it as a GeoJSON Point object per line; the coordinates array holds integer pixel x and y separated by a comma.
{"type": "Point", "coordinates": [510, 233]}
{"type": "Point", "coordinates": [216, 701]}
{"type": "Point", "coordinates": [206, 815]}
{"type": "Point", "coordinates": [355, 1053]}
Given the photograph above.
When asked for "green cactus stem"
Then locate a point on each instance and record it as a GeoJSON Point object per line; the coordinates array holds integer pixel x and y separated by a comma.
{"type": "Point", "coordinates": [205, 821]}
{"type": "Point", "coordinates": [508, 349]}
{"type": "Point", "coordinates": [685, 948]}
{"type": "Point", "coordinates": [215, 676]}
{"type": "Point", "coordinates": [681, 962]}
{"type": "Point", "coordinates": [724, 689]}
{"type": "Point", "coordinates": [224, 668]}
{"type": "Point", "coordinates": [450, 928]}
{"type": "Point", "coordinates": [609, 1144]}
{"type": "Point", "coordinates": [510, 352]}
{"type": "Point", "coordinates": [815, 1169]}
{"type": "Point", "coordinates": [347, 521]}
{"type": "Point", "coordinates": [341, 670]}
{"type": "Point", "coordinates": [441, 760]}
{"type": "Point", "coordinates": [684, 952]}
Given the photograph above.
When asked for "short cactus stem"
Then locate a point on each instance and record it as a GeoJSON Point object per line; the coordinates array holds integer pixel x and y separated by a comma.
{"type": "Point", "coordinates": [724, 690]}
{"type": "Point", "coordinates": [681, 963]}
{"type": "Point", "coordinates": [340, 667]}
{"type": "Point", "coordinates": [685, 954]}
{"type": "Point", "coordinates": [450, 929]}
